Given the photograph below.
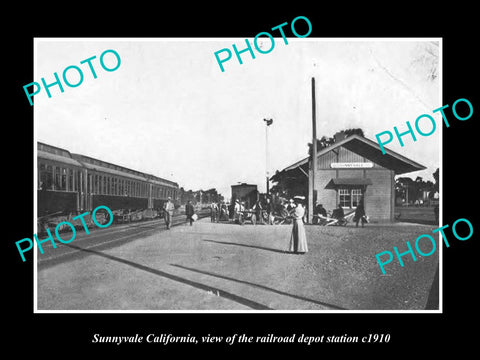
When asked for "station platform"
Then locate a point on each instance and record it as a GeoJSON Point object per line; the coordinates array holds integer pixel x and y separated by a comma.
{"type": "Point", "coordinates": [229, 267]}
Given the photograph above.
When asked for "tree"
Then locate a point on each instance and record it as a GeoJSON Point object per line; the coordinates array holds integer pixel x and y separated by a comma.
{"type": "Point", "coordinates": [289, 184]}
{"type": "Point", "coordinates": [410, 190]}
{"type": "Point", "coordinates": [324, 141]}
{"type": "Point", "coordinates": [436, 177]}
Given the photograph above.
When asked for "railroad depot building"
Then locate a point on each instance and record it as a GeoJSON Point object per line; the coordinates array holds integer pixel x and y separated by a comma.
{"type": "Point", "coordinates": [353, 166]}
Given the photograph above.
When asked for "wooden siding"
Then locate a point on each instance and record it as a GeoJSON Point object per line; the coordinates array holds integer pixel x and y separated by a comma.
{"type": "Point", "coordinates": [379, 205]}
{"type": "Point", "coordinates": [341, 154]}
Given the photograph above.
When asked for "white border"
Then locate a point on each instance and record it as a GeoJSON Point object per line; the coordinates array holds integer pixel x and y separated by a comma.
{"type": "Point", "coordinates": [382, 39]}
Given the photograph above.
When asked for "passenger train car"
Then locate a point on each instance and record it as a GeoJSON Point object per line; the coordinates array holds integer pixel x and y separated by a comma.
{"type": "Point", "coordinates": [71, 184]}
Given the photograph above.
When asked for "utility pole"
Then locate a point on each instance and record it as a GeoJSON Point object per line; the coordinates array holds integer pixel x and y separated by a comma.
{"type": "Point", "coordinates": [268, 122]}
{"type": "Point", "coordinates": [313, 160]}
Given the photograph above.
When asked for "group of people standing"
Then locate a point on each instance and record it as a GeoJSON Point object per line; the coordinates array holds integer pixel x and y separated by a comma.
{"type": "Point", "coordinates": [295, 208]}
{"type": "Point", "coordinates": [261, 211]}
{"type": "Point", "coordinates": [320, 215]}
{"type": "Point", "coordinates": [225, 211]}
{"type": "Point", "coordinates": [296, 211]}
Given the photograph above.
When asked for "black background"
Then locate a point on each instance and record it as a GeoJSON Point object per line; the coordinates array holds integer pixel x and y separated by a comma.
{"type": "Point", "coordinates": [61, 335]}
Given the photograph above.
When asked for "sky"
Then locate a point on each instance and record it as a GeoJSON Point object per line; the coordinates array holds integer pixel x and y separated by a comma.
{"type": "Point", "coordinates": [168, 110]}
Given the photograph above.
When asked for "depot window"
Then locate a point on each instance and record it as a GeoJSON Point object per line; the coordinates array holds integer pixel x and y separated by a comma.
{"type": "Point", "coordinates": [349, 197]}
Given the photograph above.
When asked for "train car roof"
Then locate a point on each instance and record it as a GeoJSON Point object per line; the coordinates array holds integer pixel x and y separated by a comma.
{"type": "Point", "coordinates": [53, 153]}
{"type": "Point", "coordinates": [100, 165]}
{"type": "Point", "coordinates": [159, 181]}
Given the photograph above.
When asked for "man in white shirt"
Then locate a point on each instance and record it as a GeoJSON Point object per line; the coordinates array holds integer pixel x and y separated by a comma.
{"type": "Point", "coordinates": [168, 208]}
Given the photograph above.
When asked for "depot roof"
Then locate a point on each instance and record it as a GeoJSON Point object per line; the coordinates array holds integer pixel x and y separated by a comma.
{"type": "Point", "coordinates": [371, 151]}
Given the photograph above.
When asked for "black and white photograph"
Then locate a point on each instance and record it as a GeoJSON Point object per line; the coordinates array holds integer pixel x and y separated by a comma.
{"type": "Point", "coordinates": [218, 179]}
{"type": "Point", "coordinates": [213, 201]}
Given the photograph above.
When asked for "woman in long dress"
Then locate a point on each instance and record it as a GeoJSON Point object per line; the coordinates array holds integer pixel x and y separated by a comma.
{"type": "Point", "coordinates": [298, 239]}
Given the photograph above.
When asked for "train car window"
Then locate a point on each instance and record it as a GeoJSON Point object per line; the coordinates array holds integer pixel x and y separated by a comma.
{"type": "Point", "coordinates": [56, 175]}
{"type": "Point", "coordinates": [57, 179]}
{"type": "Point", "coordinates": [88, 180]}
{"type": "Point", "coordinates": [95, 186]}
{"type": "Point", "coordinates": [46, 177]}
{"type": "Point", "coordinates": [70, 180]}
{"type": "Point", "coordinates": [63, 179]}
{"type": "Point", "coordinates": [78, 180]}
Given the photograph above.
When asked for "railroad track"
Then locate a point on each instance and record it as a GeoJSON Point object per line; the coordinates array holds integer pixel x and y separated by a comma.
{"type": "Point", "coordinates": [100, 239]}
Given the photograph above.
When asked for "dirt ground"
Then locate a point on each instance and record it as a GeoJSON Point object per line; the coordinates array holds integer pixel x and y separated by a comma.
{"type": "Point", "coordinates": [222, 267]}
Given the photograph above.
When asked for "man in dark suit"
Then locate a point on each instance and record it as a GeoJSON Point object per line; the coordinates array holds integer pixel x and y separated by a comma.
{"type": "Point", "coordinates": [189, 211]}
